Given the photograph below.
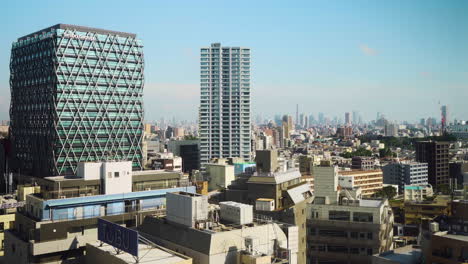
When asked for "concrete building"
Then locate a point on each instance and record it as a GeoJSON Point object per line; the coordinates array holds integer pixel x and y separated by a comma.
{"type": "Point", "coordinates": [211, 240]}
{"type": "Point", "coordinates": [8, 207]}
{"type": "Point", "coordinates": [362, 163]}
{"type": "Point", "coordinates": [219, 176]}
{"type": "Point", "coordinates": [55, 225]}
{"type": "Point", "coordinates": [82, 102]}
{"type": "Point", "coordinates": [405, 173]}
{"type": "Point", "coordinates": [342, 227]}
{"type": "Point", "coordinates": [225, 112]}
{"type": "Point", "coordinates": [436, 155]}
{"type": "Point", "coordinates": [151, 254]}
{"type": "Point", "coordinates": [417, 192]}
{"type": "Point", "coordinates": [266, 160]}
{"type": "Point", "coordinates": [415, 211]}
{"type": "Point", "coordinates": [370, 181]}
{"type": "Point", "coordinates": [284, 191]}
{"type": "Point", "coordinates": [447, 241]}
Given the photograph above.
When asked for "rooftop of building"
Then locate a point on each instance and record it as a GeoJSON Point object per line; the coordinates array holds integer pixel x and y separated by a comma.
{"type": "Point", "coordinates": [358, 172]}
{"type": "Point", "coordinates": [417, 187]}
{"type": "Point", "coordinates": [78, 28]}
{"type": "Point", "coordinates": [149, 254]}
{"type": "Point", "coordinates": [8, 203]}
{"type": "Point", "coordinates": [134, 174]}
{"type": "Point", "coordinates": [212, 239]}
{"type": "Point", "coordinates": [405, 255]}
{"type": "Point", "coordinates": [370, 203]}
{"type": "Point", "coordinates": [275, 177]}
{"type": "Point", "coordinates": [461, 238]}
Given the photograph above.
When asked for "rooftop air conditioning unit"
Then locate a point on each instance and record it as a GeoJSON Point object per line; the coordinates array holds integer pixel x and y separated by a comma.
{"type": "Point", "coordinates": [62, 197]}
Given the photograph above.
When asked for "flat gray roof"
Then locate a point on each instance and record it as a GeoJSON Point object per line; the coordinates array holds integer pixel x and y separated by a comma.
{"type": "Point", "coordinates": [79, 28]}
{"type": "Point", "coordinates": [406, 254]}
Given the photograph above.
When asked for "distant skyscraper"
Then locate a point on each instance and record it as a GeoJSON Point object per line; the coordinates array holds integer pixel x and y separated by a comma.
{"type": "Point", "coordinates": [225, 103]}
{"type": "Point", "coordinates": [311, 120]}
{"type": "Point", "coordinates": [321, 118]}
{"type": "Point", "coordinates": [422, 122]}
{"type": "Point", "coordinates": [444, 116]}
{"type": "Point", "coordinates": [302, 120]}
{"type": "Point", "coordinates": [355, 117]}
{"type": "Point", "coordinates": [297, 115]}
{"type": "Point", "coordinates": [76, 96]}
{"type": "Point", "coordinates": [347, 118]}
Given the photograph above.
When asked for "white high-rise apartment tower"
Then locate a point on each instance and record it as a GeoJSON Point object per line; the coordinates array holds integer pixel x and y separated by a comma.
{"type": "Point", "coordinates": [224, 120]}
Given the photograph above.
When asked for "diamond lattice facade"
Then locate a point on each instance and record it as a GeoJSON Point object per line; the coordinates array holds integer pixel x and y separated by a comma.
{"type": "Point", "coordinates": [76, 96]}
{"type": "Point", "coordinates": [224, 103]}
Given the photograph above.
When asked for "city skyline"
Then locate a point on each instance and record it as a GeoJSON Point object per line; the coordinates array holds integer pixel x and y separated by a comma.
{"type": "Point", "coordinates": [400, 60]}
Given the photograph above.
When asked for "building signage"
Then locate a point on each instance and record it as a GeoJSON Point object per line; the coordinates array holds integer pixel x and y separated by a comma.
{"type": "Point", "coordinates": [11, 205]}
{"type": "Point", "coordinates": [74, 36]}
{"type": "Point", "coordinates": [118, 236]}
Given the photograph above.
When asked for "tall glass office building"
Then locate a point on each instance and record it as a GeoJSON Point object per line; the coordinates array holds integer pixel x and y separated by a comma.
{"type": "Point", "coordinates": [224, 118]}
{"type": "Point", "coordinates": [76, 96]}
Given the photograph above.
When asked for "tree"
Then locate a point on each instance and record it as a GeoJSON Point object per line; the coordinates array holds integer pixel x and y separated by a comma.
{"type": "Point", "coordinates": [443, 188]}
{"type": "Point", "coordinates": [386, 152]}
{"type": "Point", "coordinates": [358, 152]}
{"type": "Point", "coordinates": [190, 137]}
{"type": "Point", "coordinates": [388, 192]}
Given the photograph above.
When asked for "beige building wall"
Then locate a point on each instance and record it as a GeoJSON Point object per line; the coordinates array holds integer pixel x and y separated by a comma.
{"type": "Point", "coordinates": [219, 176]}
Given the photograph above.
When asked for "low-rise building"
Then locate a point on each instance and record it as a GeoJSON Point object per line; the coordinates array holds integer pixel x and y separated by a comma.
{"type": "Point", "coordinates": [342, 227]}
{"type": "Point", "coordinates": [415, 211]}
{"type": "Point", "coordinates": [370, 181]}
{"type": "Point", "coordinates": [362, 163]}
{"type": "Point", "coordinates": [8, 206]}
{"type": "Point", "coordinates": [285, 190]}
{"type": "Point", "coordinates": [418, 192]}
{"type": "Point", "coordinates": [445, 240]}
{"type": "Point", "coordinates": [200, 233]}
{"type": "Point", "coordinates": [55, 225]}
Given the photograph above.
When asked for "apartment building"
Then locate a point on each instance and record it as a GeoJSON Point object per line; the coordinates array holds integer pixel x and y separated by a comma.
{"type": "Point", "coordinates": [341, 226]}
{"type": "Point", "coordinates": [370, 181]}
{"type": "Point", "coordinates": [225, 103]}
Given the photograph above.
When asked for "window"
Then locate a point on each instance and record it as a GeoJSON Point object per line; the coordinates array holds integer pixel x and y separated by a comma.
{"type": "Point", "coordinates": [116, 174]}
{"type": "Point", "coordinates": [2, 226]}
{"type": "Point", "coordinates": [363, 217]}
{"type": "Point", "coordinates": [109, 175]}
{"type": "Point", "coordinates": [339, 215]}
{"type": "Point", "coordinates": [369, 251]}
{"type": "Point", "coordinates": [354, 235]}
{"type": "Point", "coordinates": [369, 236]}
{"type": "Point", "coordinates": [321, 247]}
{"type": "Point", "coordinates": [333, 233]}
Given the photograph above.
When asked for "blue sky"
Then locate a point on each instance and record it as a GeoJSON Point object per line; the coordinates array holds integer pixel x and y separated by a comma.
{"type": "Point", "coordinates": [399, 58]}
